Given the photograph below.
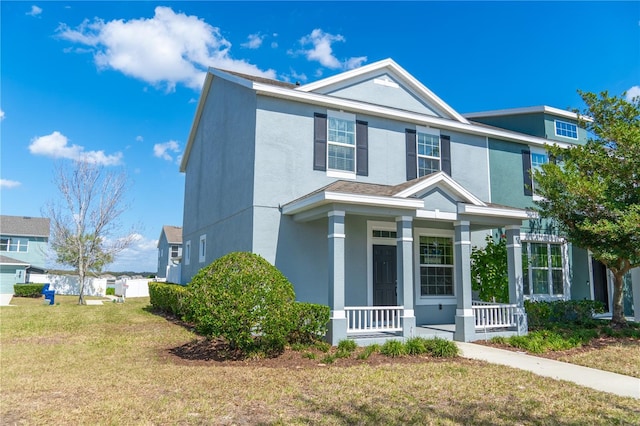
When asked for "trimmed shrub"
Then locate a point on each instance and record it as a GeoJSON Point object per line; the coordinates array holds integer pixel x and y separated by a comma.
{"type": "Point", "coordinates": [416, 346]}
{"type": "Point", "coordinates": [545, 314]}
{"type": "Point", "coordinates": [28, 290]}
{"type": "Point", "coordinates": [168, 298]}
{"type": "Point", "coordinates": [441, 348]}
{"type": "Point", "coordinates": [110, 291]}
{"type": "Point", "coordinates": [244, 299]}
{"type": "Point", "coordinates": [308, 322]}
{"type": "Point", "coordinates": [392, 348]}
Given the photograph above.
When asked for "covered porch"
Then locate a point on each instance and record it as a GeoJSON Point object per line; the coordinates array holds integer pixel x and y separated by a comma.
{"type": "Point", "coordinates": [418, 242]}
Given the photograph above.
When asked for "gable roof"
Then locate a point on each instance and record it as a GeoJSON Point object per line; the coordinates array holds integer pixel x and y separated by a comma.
{"type": "Point", "coordinates": [172, 233]}
{"type": "Point", "coordinates": [24, 226]}
{"type": "Point", "coordinates": [4, 260]}
{"type": "Point", "coordinates": [388, 65]}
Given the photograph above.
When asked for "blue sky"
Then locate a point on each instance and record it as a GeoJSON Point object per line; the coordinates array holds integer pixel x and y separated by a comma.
{"type": "Point", "coordinates": [118, 82]}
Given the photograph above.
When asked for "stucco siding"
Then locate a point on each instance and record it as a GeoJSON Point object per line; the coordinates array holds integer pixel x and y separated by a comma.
{"type": "Point", "coordinates": [469, 164]}
{"type": "Point", "coordinates": [507, 178]}
{"type": "Point", "coordinates": [530, 124]}
{"type": "Point", "coordinates": [219, 175]}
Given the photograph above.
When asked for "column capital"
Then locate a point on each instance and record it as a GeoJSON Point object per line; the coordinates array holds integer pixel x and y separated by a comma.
{"type": "Point", "coordinates": [340, 213]}
{"type": "Point", "coordinates": [404, 219]}
{"type": "Point", "coordinates": [512, 228]}
{"type": "Point", "coordinates": [462, 223]}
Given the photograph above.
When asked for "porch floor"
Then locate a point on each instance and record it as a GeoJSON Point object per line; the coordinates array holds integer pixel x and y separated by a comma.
{"type": "Point", "coordinates": [442, 331]}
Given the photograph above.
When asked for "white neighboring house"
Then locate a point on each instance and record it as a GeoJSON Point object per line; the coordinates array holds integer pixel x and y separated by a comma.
{"type": "Point", "coordinates": [170, 253]}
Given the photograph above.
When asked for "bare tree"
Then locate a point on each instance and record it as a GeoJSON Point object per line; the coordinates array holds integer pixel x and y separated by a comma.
{"type": "Point", "coordinates": [85, 221]}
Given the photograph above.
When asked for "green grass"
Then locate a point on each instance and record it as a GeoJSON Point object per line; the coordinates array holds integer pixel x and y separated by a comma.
{"type": "Point", "coordinates": [69, 364]}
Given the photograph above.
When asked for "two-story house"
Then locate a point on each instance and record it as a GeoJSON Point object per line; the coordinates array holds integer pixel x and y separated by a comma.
{"type": "Point", "coordinates": [169, 249]}
{"type": "Point", "coordinates": [553, 268]}
{"type": "Point", "coordinates": [365, 189]}
{"type": "Point", "coordinates": [23, 244]}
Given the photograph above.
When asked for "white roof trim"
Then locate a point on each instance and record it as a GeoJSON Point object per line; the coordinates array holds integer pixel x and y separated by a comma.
{"type": "Point", "coordinates": [391, 65]}
{"type": "Point", "coordinates": [494, 211]}
{"type": "Point", "coordinates": [339, 197]}
{"type": "Point", "coordinates": [441, 178]}
{"type": "Point", "coordinates": [528, 110]}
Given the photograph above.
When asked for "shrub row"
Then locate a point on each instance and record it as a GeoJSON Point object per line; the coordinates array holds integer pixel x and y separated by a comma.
{"type": "Point", "coordinates": [28, 290]}
{"type": "Point", "coordinates": [308, 322]}
{"type": "Point", "coordinates": [168, 298]}
{"type": "Point", "coordinates": [543, 314]}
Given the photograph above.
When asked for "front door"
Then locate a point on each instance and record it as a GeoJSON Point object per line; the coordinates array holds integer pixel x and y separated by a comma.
{"type": "Point", "coordinates": [384, 276]}
{"type": "Point", "coordinates": [600, 288]}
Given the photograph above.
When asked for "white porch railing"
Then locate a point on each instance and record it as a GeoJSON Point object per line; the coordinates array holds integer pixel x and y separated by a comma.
{"type": "Point", "coordinates": [494, 315]}
{"type": "Point", "coordinates": [373, 319]}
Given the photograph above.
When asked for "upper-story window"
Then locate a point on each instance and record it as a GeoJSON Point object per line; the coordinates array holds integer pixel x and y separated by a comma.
{"type": "Point", "coordinates": [340, 145]}
{"type": "Point", "coordinates": [341, 142]}
{"type": "Point", "coordinates": [428, 151]}
{"type": "Point", "coordinates": [175, 250]}
{"type": "Point", "coordinates": [567, 130]}
{"type": "Point", "coordinates": [14, 244]}
{"type": "Point", "coordinates": [538, 158]}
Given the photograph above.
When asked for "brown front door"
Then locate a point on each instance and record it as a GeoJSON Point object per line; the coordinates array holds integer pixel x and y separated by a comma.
{"type": "Point", "coordinates": [384, 276]}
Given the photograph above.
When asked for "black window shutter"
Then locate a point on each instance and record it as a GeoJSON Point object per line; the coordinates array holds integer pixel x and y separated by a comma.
{"type": "Point", "coordinates": [526, 172]}
{"type": "Point", "coordinates": [362, 148]}
{"type": "Point", "coordinates": [319, 141]}
{"type": "Point", "coordinates": [445, 154]}
{"type": "Point", "coordinates": [412, 162]}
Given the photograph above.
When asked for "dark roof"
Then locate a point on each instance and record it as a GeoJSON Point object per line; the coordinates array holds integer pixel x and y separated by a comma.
{"type": "Point", "coordinates": [173, 234]}
{"type": "Point", "coordinates": [261, 79]}
{"type": "Point", "coordinates": [24, 226]}
{"type": "Point", "coordinates": [4, 260]}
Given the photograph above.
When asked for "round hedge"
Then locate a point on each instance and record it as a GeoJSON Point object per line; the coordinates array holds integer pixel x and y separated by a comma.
{"type": "Point", "coordinates": [244, 299]}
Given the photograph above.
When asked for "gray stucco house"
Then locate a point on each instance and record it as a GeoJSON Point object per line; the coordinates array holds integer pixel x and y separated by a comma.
{"type": "Point", "coordinates": [365, 189]}
{"type": "Point", "coordinates": [169, 249]}
{"type": "Point", "coordinates": [23, 244]}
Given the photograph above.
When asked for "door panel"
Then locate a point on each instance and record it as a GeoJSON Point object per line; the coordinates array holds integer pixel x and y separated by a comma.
{"type": "Point", "coordinates": [384, 276]}
{"type": "Point", "coordinates": [600, 288]}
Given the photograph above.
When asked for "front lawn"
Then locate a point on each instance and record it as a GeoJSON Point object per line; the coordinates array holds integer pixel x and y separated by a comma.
{"type": "Point", "coordinates": [118, 364]}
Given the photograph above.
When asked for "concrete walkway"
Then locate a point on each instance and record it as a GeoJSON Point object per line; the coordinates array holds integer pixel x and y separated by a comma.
{"type": "Point", "coordinates": [590, 377]}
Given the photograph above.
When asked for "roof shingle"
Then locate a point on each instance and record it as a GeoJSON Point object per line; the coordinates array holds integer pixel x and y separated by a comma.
{"type": "Point", "coordinates": [24, 226]}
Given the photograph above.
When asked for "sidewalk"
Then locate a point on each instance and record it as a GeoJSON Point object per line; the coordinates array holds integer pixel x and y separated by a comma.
{"type": "Point", "coordinates": [590, 377]}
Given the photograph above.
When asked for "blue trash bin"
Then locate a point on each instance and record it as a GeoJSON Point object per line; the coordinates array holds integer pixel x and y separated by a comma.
{"type": "Point", "coordinates": [50, 295]}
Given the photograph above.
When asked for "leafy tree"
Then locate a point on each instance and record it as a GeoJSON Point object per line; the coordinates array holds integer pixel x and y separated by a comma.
{"type": "Point", "coordinates": [85, 220]}
{"type": "Point", "coordinates": [594, 191]}
{"type": "Point", "coordinates": [489, 271]}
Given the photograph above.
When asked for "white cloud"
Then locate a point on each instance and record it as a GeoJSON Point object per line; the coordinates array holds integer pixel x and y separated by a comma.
{"type": "Point", "coordinates": [322, 50]}
{"type": "Point", "coordinates": [632, 93]}
{"type": "Point", "coordinates": [35, 11]}
{"type": "Point", "coordinates": [162, 150]}
{"type": "Point", "coordinates": [56, 145]}
{"type": "Point", "coordinates": [166, 50]}
{"type": "Point", "coordinates": [140, 256]}
{"type": "Point", "coordinates": [139, 138]}
{"type": "Point", "coordinates": [254, 41]}
{"type": "Point", "coordinates": [6, 183]}
{"type": "Point", "coordinates": [1, 115]}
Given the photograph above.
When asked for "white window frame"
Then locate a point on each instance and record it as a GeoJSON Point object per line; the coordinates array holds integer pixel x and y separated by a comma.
{"type": "Point", "coordinates": [536, 151]}
{"type": "Point", "coordinates": [187, 257]}
{"type": "Point", "coordinates": [555, 127]}
{"type": "Point", "coordinates": [431, 132]}
{"type": "Point", "coordinates": [435, 299]}
{"type": "Point", "coordinates": [202, 248]}
{"type": "Point", "coordinates": [549, 240]}
{"type": "Point", "coordinates": [18, 243]}
{"type": "Point", "coordinates": [339, 173]}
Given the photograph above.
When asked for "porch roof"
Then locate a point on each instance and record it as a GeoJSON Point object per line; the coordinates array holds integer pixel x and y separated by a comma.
{"type": "Point", "coordinates": [410, 198]}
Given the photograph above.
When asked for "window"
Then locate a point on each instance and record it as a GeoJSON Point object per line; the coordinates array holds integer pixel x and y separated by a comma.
{"type": "Point", "coordinates": [542, 269]}
{"type": "Point", "coordinates": [175, 251]}
{"type": "Point", "coordinates": [341, 142]}
{"type": "Point", "coordinates": [568, 130]}
{"type": "Point", "coordinates": [428, 153]}
{"type": "Point", "coordinates": [14, 244]}
{"type": "Point", "coordinates": [379, 233]}
{"type": "Point", "coordinates": [537, 160]}
{"type": "Point", "coordinates": [436, 266]}
{"type": "Point", "coordinates": [187, 253]}
{"type": "Point", "coordinates": [203, 248]}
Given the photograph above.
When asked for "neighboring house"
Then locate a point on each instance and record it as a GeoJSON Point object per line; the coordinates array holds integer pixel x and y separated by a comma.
{"type": "Point", "coordinates": [365, 189]}
{"type": "Point", "coordinates": [553, 268]}
{"type": "Point", "coordinates": [169, 249]}
{"type": "Point", "coordinates": [23, 244]}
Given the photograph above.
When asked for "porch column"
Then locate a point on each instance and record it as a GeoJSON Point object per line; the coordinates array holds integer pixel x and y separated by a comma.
{"type": "Point", "coordinates": [465, 320]}
{"type": "Point", "coordinates": [404, 252]}
{"type": "Point", "coordinates": [338, 321]}
{"type": "Point", "coordinates": [514, 265]}
{"type": "Point", "coordinates": [635, 290]}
